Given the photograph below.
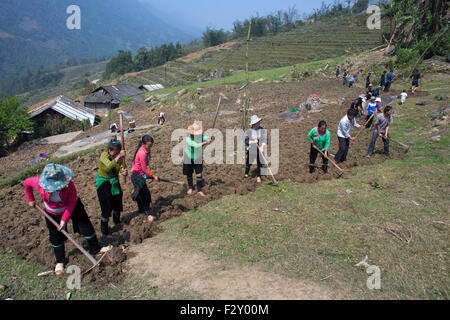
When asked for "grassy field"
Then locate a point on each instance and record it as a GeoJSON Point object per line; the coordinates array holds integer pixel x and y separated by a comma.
{"type": "Point", "coordinates": [20, 282]}
{"type": "Point", "coordinates": [397, 214]}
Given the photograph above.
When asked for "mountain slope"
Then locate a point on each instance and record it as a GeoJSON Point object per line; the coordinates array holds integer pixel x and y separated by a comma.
{"type": "Point", "coordinates": [34, 33]}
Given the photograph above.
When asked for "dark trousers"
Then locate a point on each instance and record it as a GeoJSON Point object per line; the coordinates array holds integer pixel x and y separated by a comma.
{"type": "Point", "coordinates": [374, 140]}
{"type": "Point", "coordinates": [189, 167]}
{"type": "Point", "coordinates": [251, 154]}
{"type": "Point", "coordinates": [144, 198]}
{"type": "Point", "coordinates": [312, 160]}
{"type": "Point", "coordinates": [81, 224]}
{"type": "Point", "coordinates": [341, 155]}
{"type": "Point", "coordinates": [108, 202]}
{"type": "Point", "coordinates": [369, 124]}
{"type": "Point", "coordinates": [387, 87]}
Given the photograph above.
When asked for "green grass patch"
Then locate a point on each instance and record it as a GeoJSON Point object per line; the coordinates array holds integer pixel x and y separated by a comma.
{"type": "Point", "coordinates": [20, 282]}
{"type": "Point", "coordinates": [269, 75]}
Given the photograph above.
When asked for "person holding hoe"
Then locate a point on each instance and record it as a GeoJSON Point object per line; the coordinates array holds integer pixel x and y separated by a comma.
{"type": "Point", "coordinates": [319, 137]}
{"type": "Point", "coordinates": [62, 203]}
{"type": "Point", "coordinates": [139, 175]}
{"type": "Point", "coordinates": [193, 157]}
{"type": "Point", "coordinates": [368, 82]}
{"type": "Point", "coordinates": [381, 130]}
{"type": "Point", "coordinates": [372, 107]}
{"type": "Point", "coordinates": [343, 133]}
{"type": "Point", "coordinates": [107, 183]}
{"type": "Point", "coordinates": [255, 141]}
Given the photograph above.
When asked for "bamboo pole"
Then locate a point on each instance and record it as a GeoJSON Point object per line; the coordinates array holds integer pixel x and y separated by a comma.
{"type": "Point", "coordinates": [217, 112]}
{"type": "Point", "coordinates": [244, 120]}
{"type": "Point", "coordinates": [423, 54]}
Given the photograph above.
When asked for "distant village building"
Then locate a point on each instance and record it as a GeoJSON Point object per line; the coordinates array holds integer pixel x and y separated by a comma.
{"type": "Point", "coordinates": [105, 98]}
{"type": "Point", "coordinates": [63, 107]}
{"type": "Point", "coordinates": [151, 87]}
{"type": "Point", "coordinates": [60, 107]}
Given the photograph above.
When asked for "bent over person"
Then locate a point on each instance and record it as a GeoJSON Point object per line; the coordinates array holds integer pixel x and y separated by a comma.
{"type": "Point", "coordinates": [62, 203]}
{"type": "Point", "coordinates": [107, 183]}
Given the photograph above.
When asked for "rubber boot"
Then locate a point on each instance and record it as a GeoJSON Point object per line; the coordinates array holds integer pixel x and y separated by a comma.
{"type": "Point", "coordinates": [116, 217]}
{"type": "Point", "coordinates": [104, 227]}
{"type": "Point", "coordinates": [312, 168]}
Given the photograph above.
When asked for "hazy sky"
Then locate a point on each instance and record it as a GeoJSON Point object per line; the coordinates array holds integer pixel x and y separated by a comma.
{"type": "Point", "coordinates": [222, 14]}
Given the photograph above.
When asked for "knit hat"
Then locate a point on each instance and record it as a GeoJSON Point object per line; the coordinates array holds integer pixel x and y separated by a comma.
{"type": "Point", "coordinates": [55, 177]}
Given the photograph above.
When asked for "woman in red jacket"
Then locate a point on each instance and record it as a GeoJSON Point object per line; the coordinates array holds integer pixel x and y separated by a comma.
{"type": "Point", "coordinates": [61, 202]}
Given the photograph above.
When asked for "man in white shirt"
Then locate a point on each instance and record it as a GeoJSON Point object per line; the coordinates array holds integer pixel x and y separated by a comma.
{"type": "Point", "coordinates": [344, 137]}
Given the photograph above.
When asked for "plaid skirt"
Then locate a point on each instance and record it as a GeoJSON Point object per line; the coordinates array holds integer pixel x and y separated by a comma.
{"type": "Point", "coordinates": [138, 182]}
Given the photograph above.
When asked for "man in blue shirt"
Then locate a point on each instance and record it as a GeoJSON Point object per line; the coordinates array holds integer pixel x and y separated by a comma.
{"type": "Point", "coordinates": [389, 78]}
{"type": "Point", "coordinates": [370, 110]}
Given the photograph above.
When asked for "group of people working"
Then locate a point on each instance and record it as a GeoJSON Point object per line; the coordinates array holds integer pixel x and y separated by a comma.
{"type": "Point", "coordinates": [319, 137]}
{"type": "Point", "coordinates": [62, 203]}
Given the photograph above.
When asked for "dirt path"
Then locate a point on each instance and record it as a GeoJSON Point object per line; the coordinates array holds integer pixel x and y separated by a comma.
{"type": "Point", "coordinates": [171, 266]}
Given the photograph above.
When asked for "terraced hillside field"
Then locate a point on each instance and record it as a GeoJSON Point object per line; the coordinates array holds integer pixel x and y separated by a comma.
{"type": "Point", "coordinates": [308, 43]}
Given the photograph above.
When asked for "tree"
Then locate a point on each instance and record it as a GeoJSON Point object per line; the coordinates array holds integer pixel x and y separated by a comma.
{"type": "Point", "coordinates": [141, 59]}
{"type": "Point", "coordinates": [212, 37]}
{"type": "Point", "coordinates": [13, 120]}
{"type": "Point", "coordinates": [121, 64]}
{"type": "Point", "coordinates": [360, 6]}
{"type": "Point", "coordinates": [274, 24]}
{"type": "Point", "coordinates": [413, 21]}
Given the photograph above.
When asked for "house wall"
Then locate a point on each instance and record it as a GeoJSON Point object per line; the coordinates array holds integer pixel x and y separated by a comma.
{"type": "Point", "coordinates": [100, 109]}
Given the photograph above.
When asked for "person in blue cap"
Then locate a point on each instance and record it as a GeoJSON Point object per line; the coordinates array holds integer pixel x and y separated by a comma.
{"type": "Point", "coordinates": [62, 203]}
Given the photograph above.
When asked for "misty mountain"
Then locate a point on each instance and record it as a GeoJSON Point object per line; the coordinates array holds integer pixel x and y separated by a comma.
{"type": "Point", "coordinates": [34, 33]}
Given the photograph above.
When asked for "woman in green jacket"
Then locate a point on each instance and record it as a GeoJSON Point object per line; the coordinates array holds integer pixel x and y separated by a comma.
{"type": "Point", "coordinates": [319, 137]}
{"type": "Point", "coordinates": [108, 187]}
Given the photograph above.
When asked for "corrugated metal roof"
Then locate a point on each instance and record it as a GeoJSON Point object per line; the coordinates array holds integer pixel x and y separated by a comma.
{"type": "Point", "coordinates": [67, 108]}
{"type": "Point", "coordinates": [152, 87]}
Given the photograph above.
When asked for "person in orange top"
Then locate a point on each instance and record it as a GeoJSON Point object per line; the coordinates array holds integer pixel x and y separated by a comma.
{"type": "Point", "coordinates": [139, 174]}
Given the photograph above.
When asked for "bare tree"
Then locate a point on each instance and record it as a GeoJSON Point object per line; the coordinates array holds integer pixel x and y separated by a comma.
{"type": "Point", "coordinates": [290, 15]}
{"type": "Point", "coordinates": [279, 15]}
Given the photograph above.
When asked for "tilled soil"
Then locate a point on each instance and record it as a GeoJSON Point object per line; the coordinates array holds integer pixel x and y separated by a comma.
{"type": "Point", "coordinates": [19, 160]}
{"type": "Point", "coordinates": [24, 233]}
